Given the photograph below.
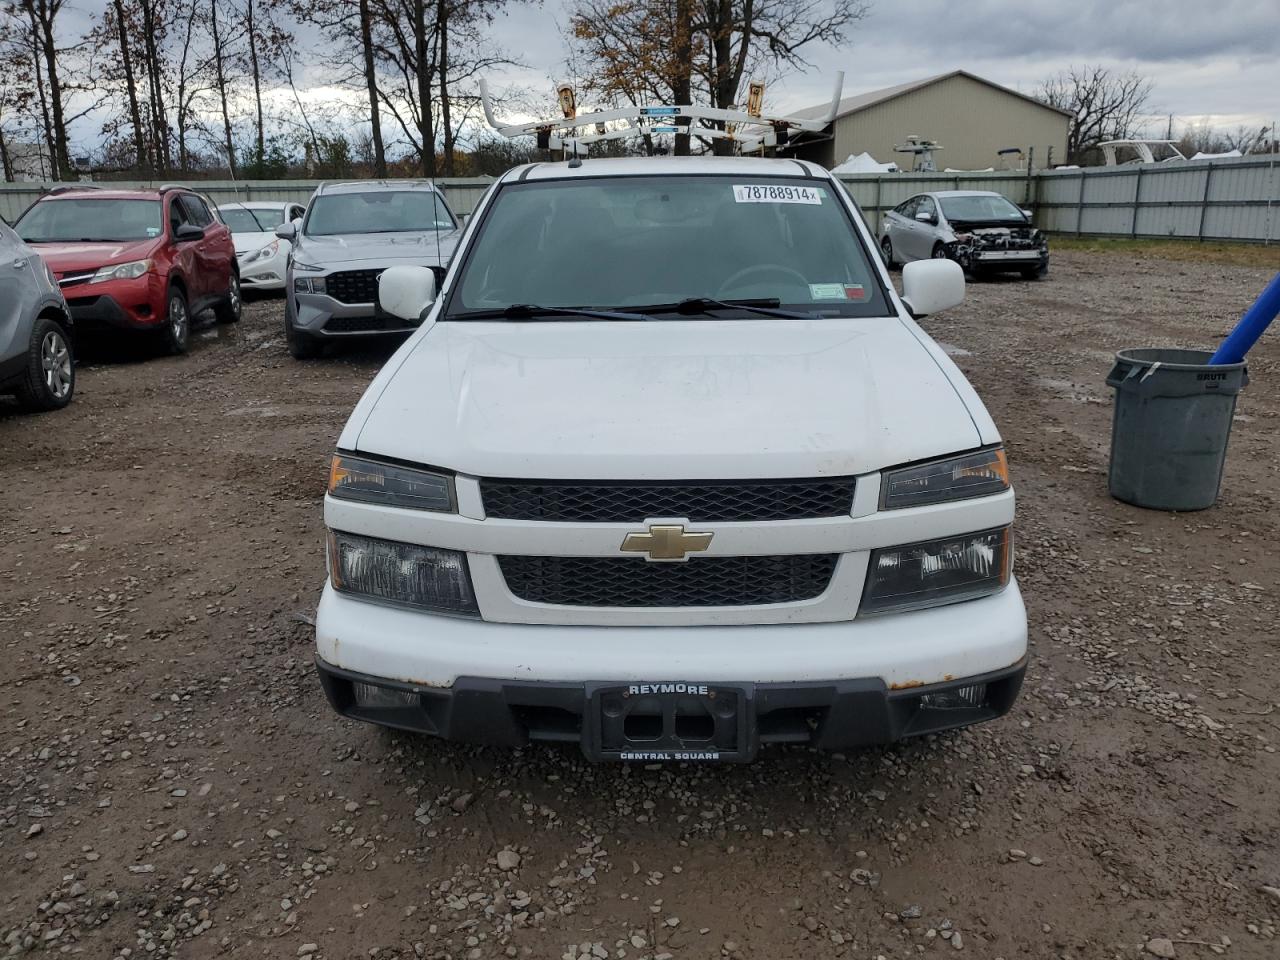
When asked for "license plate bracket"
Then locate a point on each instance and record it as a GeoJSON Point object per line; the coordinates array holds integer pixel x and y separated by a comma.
{"type": "Point", "coordinates": [656, 722]}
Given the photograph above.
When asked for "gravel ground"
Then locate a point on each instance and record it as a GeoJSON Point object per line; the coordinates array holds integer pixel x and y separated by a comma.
{"type": "Point", "coordinates": [173, 783]}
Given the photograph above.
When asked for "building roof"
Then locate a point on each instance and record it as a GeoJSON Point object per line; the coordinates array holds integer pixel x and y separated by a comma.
{"type": "Point", "coordinates": [851, 105]}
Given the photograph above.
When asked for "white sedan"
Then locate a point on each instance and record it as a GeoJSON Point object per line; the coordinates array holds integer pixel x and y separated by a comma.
{"type": "Point", "coordinates": [260, 254]}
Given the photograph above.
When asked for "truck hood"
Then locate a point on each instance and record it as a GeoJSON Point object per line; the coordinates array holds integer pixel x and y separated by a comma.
{"type": "Point", "coordinates": [427, 248]}
{"type": "Point", "coordinates": [71, 257]}
{"type": "Point", "coordinates": [690, 400]}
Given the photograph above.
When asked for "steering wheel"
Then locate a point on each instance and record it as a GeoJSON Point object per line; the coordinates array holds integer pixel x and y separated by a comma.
{"type": "Point", "coordinates": [774, 268]}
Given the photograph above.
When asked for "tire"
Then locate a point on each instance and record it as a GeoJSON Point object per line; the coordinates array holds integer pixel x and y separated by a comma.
{"type": "Point", "coordinates": [1035, 273]}
{"type": "Point", "coordinates": [176, 334]}
{"type": "Point", "coordinates": [939, 252]}
{"type": "Point", "coordinates": [228, 309]}
{"type": "Point", "coordinates": [302, 346]}
{"type": "Point", "coordinates": [886, 251]}
{"type": "Point", "coordinates": [49, 380]}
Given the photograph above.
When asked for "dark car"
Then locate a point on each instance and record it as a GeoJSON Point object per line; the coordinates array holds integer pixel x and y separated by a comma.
{"type": "Point", "coordinates": [136, 260]}
{"type": "Point", "coordinates": [37, 362]}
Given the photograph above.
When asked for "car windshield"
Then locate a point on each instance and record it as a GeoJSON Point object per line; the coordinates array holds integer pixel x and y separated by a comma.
{"type": "Point", "coordinates": [980, 208]}
{"type": "Point", "coordinates": [625, 243]}
{"type": "Point", "coordinates": [243, 220]}
{"type": "Point", "coordinates": [377, 211]}
{"type": "Point", "coordinates": [86, 219]}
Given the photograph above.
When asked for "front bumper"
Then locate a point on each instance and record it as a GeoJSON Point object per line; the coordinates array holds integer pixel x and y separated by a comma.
{"type": "Point", "coordinates": [320, 315]}
{"type": "Point", "coordinates": [265, 274]}
{"type": "Point", "coordinates": [122, 304]}
{"type": "Point", "coordinates": [846, 683]}
{"type": "Point", "coordinates": [829, 715]}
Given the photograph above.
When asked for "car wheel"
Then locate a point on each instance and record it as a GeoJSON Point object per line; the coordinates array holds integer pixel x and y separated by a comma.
{"type": "Point", "coordinates": [886, 250]}
{"type": "Point", "coordinates": [177, 322]}
{"type": "Point", "coordinates": [1038, 272]}
{"type": "Point", "coordinates": [228, 309]}
{"type": "Point", "coordinates": [940, 252]}
{"type": "Point", "coordinates": [302, 346]}
{"type": "Point", "coordinates": [50, 377]}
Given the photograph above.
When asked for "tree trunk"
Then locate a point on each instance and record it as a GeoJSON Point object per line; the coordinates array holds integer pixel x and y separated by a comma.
{"type": "Point", "coordinates": [682, 57]}
{"type": "Point", "coordinates": [45, 15]}
{"type": "Point", "coordinates": [220, 74]}
{"type": "Point", "coordinates": [135, 115]}
{"type": "Point", "coordinates": [442, 30]}
{"type": "Point", "coordinates": [46, 123]}
{"type": "Point", "coordinates": [425, 126]}
{"type": "Point", "coordinates": [159, 121]}
{"type": "Point", "coordinates": [252, 33]}
{"type": "Point", "coordinates": [4, 159]}
{"type": "Point", "coordinates": [371, 81]}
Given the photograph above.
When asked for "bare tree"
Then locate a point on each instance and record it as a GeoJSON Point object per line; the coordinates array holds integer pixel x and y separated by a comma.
{"type": "Point", "coordinates": [1105, 105]}
{"type": "Point", "coordinates": [689, 51]}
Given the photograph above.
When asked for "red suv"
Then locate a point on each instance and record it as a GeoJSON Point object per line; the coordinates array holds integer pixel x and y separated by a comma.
{"type": "Point", "coordinates": [136, 259]}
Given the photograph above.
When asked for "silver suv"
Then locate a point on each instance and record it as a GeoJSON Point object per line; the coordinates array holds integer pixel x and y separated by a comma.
{"type": "Point", "coordinates": [350, 234]}
{"type": "Point", "coordinates": [36, 359]}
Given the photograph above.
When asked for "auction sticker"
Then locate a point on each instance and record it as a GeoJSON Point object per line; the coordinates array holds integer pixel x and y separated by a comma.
{"type": "Point", "coordinates": [775, 193]}
{"type": "Point", "coordinates": [827, 291]}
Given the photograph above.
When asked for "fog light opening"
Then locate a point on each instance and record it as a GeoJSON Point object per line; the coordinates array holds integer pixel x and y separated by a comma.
{"type": "Point", "coordinates": [973, 697]}
{"type": "Point", "coordinates": [373, 697]}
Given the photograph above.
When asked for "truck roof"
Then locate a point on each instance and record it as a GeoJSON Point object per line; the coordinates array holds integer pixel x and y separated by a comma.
{"type": "Point", "coordinates": [659, 166]}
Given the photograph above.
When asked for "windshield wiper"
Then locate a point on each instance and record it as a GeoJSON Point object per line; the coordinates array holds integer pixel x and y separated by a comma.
{"type": "Point", "coordinates": [691, 306]}
{"type": "Point", "coordinates": [530, 311]}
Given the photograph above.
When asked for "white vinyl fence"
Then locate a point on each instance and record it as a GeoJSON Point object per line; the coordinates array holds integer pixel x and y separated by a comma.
{"type": "Point", "coordinates": [1205, 199]}
{"type": "Point", "coordinates": [1234, 199]}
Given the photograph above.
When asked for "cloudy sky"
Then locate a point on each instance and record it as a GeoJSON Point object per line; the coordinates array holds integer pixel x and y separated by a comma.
{"type": "Point", "coordinates": [1214, 59]}
{"type": "Point", "coordinates": [1208, 59]}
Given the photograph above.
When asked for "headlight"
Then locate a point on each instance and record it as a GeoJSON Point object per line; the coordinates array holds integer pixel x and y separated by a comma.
{"type": "Point", "coordinates": [268, 251]}
{"type": "Point", "coordinates": [956, 478]}
{"type": "Point", "coordinates": [401, 573]}
{"type": "Point", "coordinates": [938, 571]}
{"type": "Point", "coordinates": [122, 271]}
{"type": "Point", "coordinates": [313, 268]}
{"type": "Point", "coordinates": [309, 285]}
{"type": "Point", "coordinates": [369, 481]}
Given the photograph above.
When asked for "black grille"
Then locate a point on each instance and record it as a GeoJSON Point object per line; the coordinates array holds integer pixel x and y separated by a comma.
{"type": "Point", "coordinates": [722, 501]}
{"type": "Point", "coordinates": [364, 324]}
{"type": "Point", "coordinates": [353, 286]}
{"type": "Point", "coordinates": [697, 582]}
{"type": "Point", "coordinates": [361, 286]}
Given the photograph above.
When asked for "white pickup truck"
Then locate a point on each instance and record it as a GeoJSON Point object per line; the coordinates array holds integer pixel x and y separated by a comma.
{"type": "Point", "coordinates": [670, 471]}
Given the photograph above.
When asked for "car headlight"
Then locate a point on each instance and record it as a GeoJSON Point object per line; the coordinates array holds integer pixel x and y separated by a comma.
{"type": "Point", "coordinates": [309, 285]}
{"type": "Point", "coordinates": [269, 250]}
{"type": "Point", "coordinates": [977, 474]}
{"type": "Point", "coordinates": [122, 271]}
{"type": "Point", "coordinates": [401, 573]}
{"type": "Point", "coordinates": [311, 267]}
{"type": "Point", "coordinates": [935, 572]}
{"type": "Point", "coordinates": [391, 485]}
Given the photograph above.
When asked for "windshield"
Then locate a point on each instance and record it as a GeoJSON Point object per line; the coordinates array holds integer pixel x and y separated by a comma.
{"type": "Point", "coordinates": [630, 242]}
{"type": "Point", "coordinates": [378, 211]}
{"type": "Point", "coordinates": [980, 208]}
{"type": "Point", "coordinates": [242, 220]}
{"type": "Point", "coordinates": [88, 219]}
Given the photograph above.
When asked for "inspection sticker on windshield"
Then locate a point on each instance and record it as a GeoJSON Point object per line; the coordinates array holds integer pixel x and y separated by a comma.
{"type": "Point", "coordinates": [837, 291]}
{"type": "Point", "coordinates": [775, 193]}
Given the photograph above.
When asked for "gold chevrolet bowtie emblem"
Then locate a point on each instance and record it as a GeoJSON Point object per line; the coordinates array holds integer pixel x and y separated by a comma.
{"type": "Point", "coordinates": [666, 541]}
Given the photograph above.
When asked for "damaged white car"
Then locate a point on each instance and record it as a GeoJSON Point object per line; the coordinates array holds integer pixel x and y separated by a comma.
{"type": "Point", "coordinates": [982, 231]}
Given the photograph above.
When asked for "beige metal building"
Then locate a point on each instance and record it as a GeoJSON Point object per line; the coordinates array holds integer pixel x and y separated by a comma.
{"type": "Point", "coordinates": [971, 117]}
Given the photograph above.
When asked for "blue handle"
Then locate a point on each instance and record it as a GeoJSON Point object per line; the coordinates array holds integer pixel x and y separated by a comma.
{"type": "Point", "coordinates": [1255, 320]}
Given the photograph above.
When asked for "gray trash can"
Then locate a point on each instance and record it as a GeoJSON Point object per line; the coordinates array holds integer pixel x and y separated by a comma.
{"type": "Point", "coordinates": [1169, 433]}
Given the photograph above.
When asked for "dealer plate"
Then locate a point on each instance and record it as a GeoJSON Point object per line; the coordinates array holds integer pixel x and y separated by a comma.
{"type": "Point", "coordinates": [654, 722]}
